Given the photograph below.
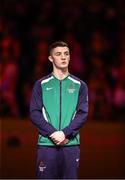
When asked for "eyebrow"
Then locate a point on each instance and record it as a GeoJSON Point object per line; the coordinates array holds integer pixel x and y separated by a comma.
{"type": "Point", "coordinates": [61, 52]}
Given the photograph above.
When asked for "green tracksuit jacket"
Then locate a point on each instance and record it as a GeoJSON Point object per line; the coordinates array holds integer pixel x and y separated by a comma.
{"type": "Point", "coordinates": [59, 105]}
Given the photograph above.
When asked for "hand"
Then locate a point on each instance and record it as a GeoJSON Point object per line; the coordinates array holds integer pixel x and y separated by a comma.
{"type": "Point", "coordinates": [64, 142]}
{"type": "Point", "coordinates": [58, 137]}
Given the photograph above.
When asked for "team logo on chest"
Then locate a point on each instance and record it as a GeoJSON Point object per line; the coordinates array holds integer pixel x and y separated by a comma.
{"type": "Point", "coordinates": [71, 88]}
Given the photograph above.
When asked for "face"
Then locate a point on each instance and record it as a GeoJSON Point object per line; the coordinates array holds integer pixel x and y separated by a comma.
{"type": "Point", "coordinates": [60, 57]}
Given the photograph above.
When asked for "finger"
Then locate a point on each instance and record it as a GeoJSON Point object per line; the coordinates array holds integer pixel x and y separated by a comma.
{"type": "Point", "coordinates": [56, 141]}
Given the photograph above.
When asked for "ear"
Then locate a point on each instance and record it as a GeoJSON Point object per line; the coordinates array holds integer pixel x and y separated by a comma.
{"type": "Point", "coordinates": [50, 58]}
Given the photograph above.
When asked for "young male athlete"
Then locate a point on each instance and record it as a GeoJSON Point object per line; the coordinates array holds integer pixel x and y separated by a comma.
{"type": "Point", "coordinates": [59, 108]}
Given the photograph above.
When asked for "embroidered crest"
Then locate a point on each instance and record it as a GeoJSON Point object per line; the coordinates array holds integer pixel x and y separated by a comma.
{"type": "Point", "coordinates": [71, 88]}
{"type": "Point", "coordinates": [42, 166]}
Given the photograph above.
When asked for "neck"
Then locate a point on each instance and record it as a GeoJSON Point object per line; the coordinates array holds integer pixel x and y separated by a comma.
{"type": "Point", "coordinates": [60, 74]}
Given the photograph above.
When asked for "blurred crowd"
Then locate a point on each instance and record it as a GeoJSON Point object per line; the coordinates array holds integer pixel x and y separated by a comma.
{"type": "Point", "coordinates": [95, 32]}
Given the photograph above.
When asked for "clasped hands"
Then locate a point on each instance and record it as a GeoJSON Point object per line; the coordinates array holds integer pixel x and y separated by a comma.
{"type": "Point", "coordinates": [59, 138]}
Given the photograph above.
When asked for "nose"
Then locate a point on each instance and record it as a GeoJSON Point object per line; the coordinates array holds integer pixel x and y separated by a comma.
{"type": "Point", "coordinates": [63, 56]}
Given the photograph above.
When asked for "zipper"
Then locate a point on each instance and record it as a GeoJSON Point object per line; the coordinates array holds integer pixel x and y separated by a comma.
{"type": "Point", "coordinates": [60, 110]}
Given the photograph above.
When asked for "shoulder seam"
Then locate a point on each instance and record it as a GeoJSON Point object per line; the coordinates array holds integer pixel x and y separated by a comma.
{"type": "Point", "coordinates": [74, 80]}
{"type": "Point", "coordinates": [46, 79]}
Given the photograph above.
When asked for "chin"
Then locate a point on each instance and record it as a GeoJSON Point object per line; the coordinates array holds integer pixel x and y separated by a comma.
{"type": "Point", "coordinates": [64, 67]}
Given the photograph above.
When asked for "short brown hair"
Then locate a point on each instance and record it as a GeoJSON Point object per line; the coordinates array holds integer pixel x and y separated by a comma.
{"type": "Point", "coordinates": [57, 44]}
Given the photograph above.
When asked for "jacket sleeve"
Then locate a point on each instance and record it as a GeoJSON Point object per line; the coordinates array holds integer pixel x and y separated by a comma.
{"type": "Point", "coordinates": [81, 113]}
{"type": "Point", "coordinates": [45, 129]}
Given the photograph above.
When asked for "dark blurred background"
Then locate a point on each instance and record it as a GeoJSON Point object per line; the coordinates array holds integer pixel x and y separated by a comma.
{"type": "Point", "coordinates": [94, 30]}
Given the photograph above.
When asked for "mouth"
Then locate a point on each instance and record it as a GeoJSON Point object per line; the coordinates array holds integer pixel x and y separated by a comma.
{"type": "Point", "coordinates": [64, 62]}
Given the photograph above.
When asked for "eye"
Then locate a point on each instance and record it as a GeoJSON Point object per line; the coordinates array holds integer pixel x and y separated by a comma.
{"type": "Point", "coordinates": [66, 53]}
{"type": "Point", "coordinates": [58, 54]}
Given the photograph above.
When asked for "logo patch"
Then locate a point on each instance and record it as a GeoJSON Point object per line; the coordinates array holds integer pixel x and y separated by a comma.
{"type": "Point", "coordinates": [42, 166]}
{"type": "Point", "coordinates": [49, 88]}
{"type": "Point", "coordinates": [77, 160]}
{"type": "Point", "coordinates": [71, 88]}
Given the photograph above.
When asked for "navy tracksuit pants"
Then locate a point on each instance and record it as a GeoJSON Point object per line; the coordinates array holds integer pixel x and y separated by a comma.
{"type": "Point", "coordinates": [57, 162]}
